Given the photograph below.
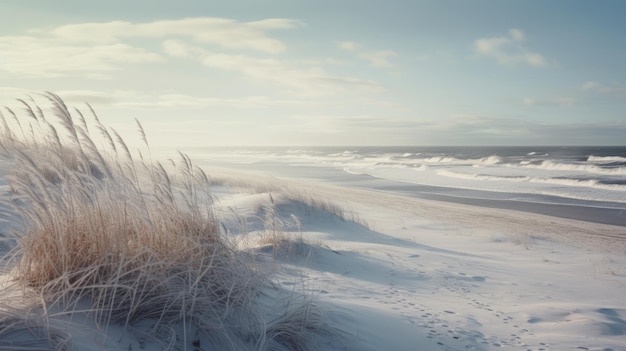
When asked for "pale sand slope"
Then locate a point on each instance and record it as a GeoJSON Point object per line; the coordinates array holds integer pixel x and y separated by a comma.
{"type": "Point", "coordinates": [431, 275]}
{"type": "Point", "coordinates": [425, 275]}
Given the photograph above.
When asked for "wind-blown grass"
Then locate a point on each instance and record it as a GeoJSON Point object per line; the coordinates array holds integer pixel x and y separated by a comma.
{"type": "Point", "coordinates": [288, 190]}
{"type": "Point", "coordinates": [135, 240]}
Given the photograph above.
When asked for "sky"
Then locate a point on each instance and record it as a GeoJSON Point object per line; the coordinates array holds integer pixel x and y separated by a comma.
{"type": "Point", "coordinates": [351, 72]}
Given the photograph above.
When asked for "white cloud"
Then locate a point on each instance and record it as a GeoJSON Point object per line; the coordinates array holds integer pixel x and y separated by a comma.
{"type": "Point", "coordinates": [377, 58]}
{"type": "Point", "coordinates": [176, 48]}
{"type": "Point", "coordinates": [438, 56]}
{"type": "Point", "coordinates": [149, 101]}
{"type": "Point", "coordinates": [591, 86]}
{"type": "Point", "coordinates": [560, 101]}
{"type": "Point", "coordinates": [307, 77]}
{"type": "Point", "coordinates": [33, 56]}
{"type": "Point", "coordinates": [9, 94]}
{"type": "Point", "coordinates": [12, 90]}
{"type": "Point", "coordinates": [311, 79]}
{"type": "Point", "coordinates": [86, 96]}
{"type": "Point", "coordinates": [190, 101]}
{"type": "Point", "coordinates": [349, 45]}
{"type": "Point", "coordinates": [224, 32]}
{"type": "Point", "coordinates": [474, 129]}
{"type": "Point", "coordinates": [90, 49]}
{"type": "Point", "coordinates": [509, 50]}
{"type": "Point", "coordinates": [613, 89]}
{"type": "Point", "coordinates": [517, 35]}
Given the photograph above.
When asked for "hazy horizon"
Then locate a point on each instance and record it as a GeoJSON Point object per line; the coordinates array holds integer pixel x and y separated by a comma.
{"type": "Point", "coordinates": [409, 146]}
{"type": "Point", "coordinates": [350, 73]}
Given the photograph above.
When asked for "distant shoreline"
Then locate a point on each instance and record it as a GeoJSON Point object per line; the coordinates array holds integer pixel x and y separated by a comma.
{"type": "Point", "coordinates": [601, 215]}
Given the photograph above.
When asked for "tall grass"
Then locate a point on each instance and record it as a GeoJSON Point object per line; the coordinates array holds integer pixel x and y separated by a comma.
{"type": "Point", "coordinates": [136, 239]}
{"type": "Point", "coordinates": [288, 190]}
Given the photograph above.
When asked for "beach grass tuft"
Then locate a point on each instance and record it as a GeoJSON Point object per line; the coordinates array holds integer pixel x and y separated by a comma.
{"type": "Point", "coordinates": [134, 239]}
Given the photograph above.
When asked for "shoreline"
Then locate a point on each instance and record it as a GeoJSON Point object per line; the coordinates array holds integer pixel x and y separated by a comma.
{"type": "Point", "coordinates": [469, 216]}
{"type": "Point", "coordinates": [476, 219]}
{"type": "Point", "coordinates": [599, 215]}
{"type": "Point", "coordinates": [613, 214]}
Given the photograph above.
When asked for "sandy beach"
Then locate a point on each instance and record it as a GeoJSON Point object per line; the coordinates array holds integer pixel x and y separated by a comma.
{"type": "Point", "coordinates": [105, 251]}
{"type": "Point", "coordinates": [404, 273]}
{"type": "Point", "coordinates": [436, 275]}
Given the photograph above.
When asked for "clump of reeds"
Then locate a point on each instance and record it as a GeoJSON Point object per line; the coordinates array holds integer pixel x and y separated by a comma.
{"type": "Point", "coordinates": [135, 240]}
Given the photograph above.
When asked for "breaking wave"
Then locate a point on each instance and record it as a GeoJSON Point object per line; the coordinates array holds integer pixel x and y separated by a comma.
{"type": "Point", "coordinates": [595, 169]}
{"type": "Point", "coordinates": [589, 183]}
{"type": "Point", "coordinates": [606, 159]}
{"type": "Point", "coordinates": [593, 174]}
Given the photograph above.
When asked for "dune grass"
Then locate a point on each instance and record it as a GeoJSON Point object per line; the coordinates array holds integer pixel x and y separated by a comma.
{"type": "Point", "coordinates": [135, 239]}
{"type": "Point", "coordinates": [288, 190]}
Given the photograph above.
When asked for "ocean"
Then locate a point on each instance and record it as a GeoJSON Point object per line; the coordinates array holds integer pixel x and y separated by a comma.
{"type": "Point", "coordinates": [586, 183]}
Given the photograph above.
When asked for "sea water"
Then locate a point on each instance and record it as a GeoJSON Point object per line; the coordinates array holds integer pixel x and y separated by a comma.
{"type": "Point", "coordinates": [587, 183]}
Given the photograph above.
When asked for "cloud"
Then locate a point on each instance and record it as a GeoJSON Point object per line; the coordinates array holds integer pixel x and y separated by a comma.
{"type": "Point", "coordinates": [176, 48]}
{"type": "Point", "coordinates": [93, 49]}
{"type": "Point", "coordinates": [615, 89]}
{"type": "Point", "coordinates": [473, 129]}
{"type": "Point", "coordinates": [517, 35]}
{"type": "Point", "coordinates": [509, 50]}
{"type": "Point", "coordinates": [346, 82]}
{"type": "Point", "coordinates": [307, 77]}
{"type": "Point", "coordinates": [13, 90]}
{"type": "Point", "coordinates": [226, 33]}
{"type": "Point", "coordinates": [349, 45]}
{"type": "Point", "coordinates": [311, 79]}
{"type": "Point", "coordinates": [349, 129]}
{"type": "Point", "coordinates": [8, 95]}
{"type": "Point", "coordinates": [561, 101]}
{"type": "Point", "coordinates": [438, 56]}
{"type": "Point", "coordinates": [461, 125]}
{"type": "Point", "coordinates": [189, 101]}
{"type": "Point", "coordinates": [141, 100]}
{"type": "Point", "coordinates": [377, 58]}
{"type": "Point", "coordinates": [33, 56]}
{"type": "Point", "coordinates": [457, 129]}
{"type": "Point", "coordinates": [86, 96]}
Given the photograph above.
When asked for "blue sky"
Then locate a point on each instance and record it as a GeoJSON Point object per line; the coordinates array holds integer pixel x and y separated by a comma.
{"type": "Point", "coordinates": [323, 72]}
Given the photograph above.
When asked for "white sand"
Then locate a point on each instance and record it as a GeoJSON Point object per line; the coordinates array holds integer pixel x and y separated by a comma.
{"type": "Point", "coordinates": [430, 275]}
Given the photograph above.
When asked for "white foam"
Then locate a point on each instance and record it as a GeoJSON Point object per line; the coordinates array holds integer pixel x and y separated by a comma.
{"type": "Point", "coordinates": [440, 159]}
{"type": "Point", "coordinates": [474, 176]}
{"type": "Point", "coordinates": [606, 159]}
{"type": "Point", "coordinates": [582, 190]}
{"type": "Point", "coordinates": [589, 181]}
{"type": "Point", "coordinates": [491, 160]}
{"type": "Point", "coordinates": [555, 166]}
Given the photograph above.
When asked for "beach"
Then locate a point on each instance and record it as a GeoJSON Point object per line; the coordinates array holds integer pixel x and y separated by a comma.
{"type": "Point", "coordinates": [515, 271]}
{"type": "Point", "coordinates": [311, 257]}
{"type": "Point", "coordinates": [439, 275]}
{"type": "Point", "coordinates": [557, 181]}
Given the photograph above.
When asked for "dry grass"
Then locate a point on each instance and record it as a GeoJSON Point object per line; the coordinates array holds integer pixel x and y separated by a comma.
{"type": "Point", "coordinates": [284, 243]}
{"type": "Point", "coordinates": [287, 190]}
{"type": "Point", "coordinates": [137, 241]}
